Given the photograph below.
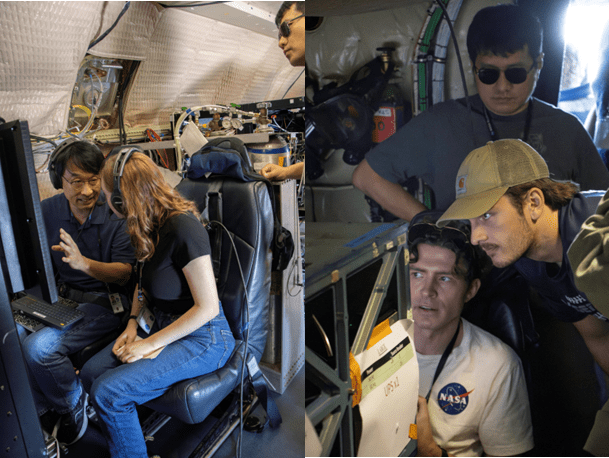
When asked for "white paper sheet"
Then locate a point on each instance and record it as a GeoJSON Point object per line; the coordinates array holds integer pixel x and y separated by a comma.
{"type": "Point", "coordinates": [390, 388]}
{"type": "Point", "coordinates": [312, 443]}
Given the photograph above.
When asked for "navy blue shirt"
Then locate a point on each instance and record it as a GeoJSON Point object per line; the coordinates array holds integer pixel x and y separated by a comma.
{"type": "Point", "coordinates": [555, 285]}
{"type": "Point", "coordinates": [101, 238]}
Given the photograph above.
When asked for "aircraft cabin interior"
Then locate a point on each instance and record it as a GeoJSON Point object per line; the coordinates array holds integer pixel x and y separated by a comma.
{"type": "Point", "coordinates": [191, 100]}
{"type": "Point", "coordinates": [177, 283]}
{"type": "Point", "coordinates": [373, 68]}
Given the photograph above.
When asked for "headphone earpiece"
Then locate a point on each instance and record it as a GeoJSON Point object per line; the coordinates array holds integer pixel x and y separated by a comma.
{"type": "Point", "coordinates": [55, 166]}
{"type": "Point", "coordinates": [117, 172]}
{"type": "Point", "coordinates": [117, 201]}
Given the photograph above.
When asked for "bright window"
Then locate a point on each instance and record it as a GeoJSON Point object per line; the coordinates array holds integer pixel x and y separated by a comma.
{"type": "Point", "coordinates": [584, 25]}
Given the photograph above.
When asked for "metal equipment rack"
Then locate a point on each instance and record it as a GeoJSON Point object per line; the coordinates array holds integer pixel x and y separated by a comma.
{"type": "Point", "coordinates": [356, 277]}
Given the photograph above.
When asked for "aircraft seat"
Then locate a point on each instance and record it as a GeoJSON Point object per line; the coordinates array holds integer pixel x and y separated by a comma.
{"type": "Point", "coordinates": [245, 209]}
{"type": "Point", "coordinates": [246, 212]}
{"type": "Point", "coordinates": [81, 357]}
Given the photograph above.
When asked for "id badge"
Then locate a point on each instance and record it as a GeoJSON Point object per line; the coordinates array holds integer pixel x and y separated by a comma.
{"type": "Point", "coordinates": [145, 319]}
{"type": "Point", "coordinates": [117, 304]}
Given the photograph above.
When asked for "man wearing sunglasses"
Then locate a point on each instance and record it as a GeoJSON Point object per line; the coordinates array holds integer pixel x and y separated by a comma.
{"type": "Point", "coordinates": [92, 257]}
{"type": "Point", "coordinates": [505, 48]}
{"type": "Point", "coordinates": [472, 393]}
{"type": "Point", "coordinates": [291, 25]}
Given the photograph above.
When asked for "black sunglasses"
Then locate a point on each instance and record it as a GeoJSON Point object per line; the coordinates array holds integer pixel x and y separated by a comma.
{"type": "Point", "coordinates": [284, 27]}
{"type": "Point", "coordinates": [514, 75]}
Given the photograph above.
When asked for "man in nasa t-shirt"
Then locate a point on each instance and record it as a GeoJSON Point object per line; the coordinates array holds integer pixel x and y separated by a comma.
{"type": "Point", "coordinates": [478, 404]}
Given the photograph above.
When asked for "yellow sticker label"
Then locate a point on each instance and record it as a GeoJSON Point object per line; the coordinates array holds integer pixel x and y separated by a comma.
{"type": "Point", "coordinates": [412, 432]}
{"type": "Point", "coordinates": [335, 275]}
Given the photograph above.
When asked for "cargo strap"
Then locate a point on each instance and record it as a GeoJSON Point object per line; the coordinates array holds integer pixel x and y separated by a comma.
{"type": "Point", "coordinates": [273, 417]}
{"type": "Point", "coordinates": [213, 212]}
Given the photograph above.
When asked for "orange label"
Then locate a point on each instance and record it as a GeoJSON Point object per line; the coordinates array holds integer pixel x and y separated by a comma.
{"type": "Point", "coordinates": [412, 432]}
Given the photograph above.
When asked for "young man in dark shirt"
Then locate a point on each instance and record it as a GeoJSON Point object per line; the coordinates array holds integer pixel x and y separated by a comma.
{"type": "Point", "coordinates": [521, 217]}
{"type": "Point", "coordinates": [291, 24]}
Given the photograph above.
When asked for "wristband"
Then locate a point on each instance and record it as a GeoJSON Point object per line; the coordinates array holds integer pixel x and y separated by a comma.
{"type": "Point", "coordinates": [133, 317]}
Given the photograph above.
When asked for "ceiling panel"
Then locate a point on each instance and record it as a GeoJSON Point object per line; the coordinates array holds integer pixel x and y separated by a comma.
{"type": "Point", "coordinates": [258, 17]}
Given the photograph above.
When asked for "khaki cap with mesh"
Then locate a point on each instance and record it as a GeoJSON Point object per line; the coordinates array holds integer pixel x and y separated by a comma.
{"type": "Point", "coordinates": [487, 173]}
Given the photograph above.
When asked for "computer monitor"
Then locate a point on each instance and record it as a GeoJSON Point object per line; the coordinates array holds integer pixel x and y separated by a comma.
{"type": "Point", "coordinates": [26, 263]}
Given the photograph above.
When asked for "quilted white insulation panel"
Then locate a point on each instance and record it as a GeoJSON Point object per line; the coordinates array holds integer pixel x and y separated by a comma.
{"type": "Point", "coordinates": [41, 47]}
{"type": "Point", "coordinates": [187, 60]}
{"type": "Point", "coordinates": [193, 61]}
{"type": "Point", "coordinates": [131, 36]}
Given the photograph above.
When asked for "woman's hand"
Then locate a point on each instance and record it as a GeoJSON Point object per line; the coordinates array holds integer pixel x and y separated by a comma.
{"type": "Point", "coordinates": [134, 351]}
{"type": "Point", "coordinates": [127, 337]}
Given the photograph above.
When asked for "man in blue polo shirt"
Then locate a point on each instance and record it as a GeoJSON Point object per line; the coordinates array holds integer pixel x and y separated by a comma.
{"type": "Point", "coordinates": [522, 217]}
{"type": "Point", "coordinates": [92, 258]}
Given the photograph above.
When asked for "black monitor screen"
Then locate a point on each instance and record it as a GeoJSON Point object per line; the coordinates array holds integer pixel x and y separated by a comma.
{"type": "Point", "coordinates": [27, 260]}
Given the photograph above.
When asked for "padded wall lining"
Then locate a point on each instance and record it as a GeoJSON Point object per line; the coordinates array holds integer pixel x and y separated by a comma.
{"type": "Point", "coordinates": [187, 60]}
{"type": "Point", "coordinates": [41, 47]}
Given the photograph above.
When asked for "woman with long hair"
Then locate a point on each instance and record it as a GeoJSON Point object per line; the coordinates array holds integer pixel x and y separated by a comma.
{"type": "Point", "coordinates": [190, 335]}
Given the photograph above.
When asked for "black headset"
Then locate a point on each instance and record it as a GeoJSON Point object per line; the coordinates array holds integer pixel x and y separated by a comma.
{"type": "Point", "coordinates": [124, 153]}
{"type": "Point", "coordinates": [56, 166]}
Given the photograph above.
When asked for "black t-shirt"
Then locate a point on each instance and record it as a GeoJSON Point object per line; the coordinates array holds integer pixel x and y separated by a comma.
{"type": "Point", "coordinates": [556, 285]}
{"type": "Point", "coordinates": [181, 239]}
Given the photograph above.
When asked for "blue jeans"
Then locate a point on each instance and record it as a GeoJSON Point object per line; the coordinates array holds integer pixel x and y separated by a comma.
{"type": "Point", "coordinates": [116, 388]}
{"type": "Point", "coordinates": [55, 385]}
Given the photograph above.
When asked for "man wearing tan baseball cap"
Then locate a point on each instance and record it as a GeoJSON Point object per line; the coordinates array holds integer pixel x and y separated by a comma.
{"type": "Point", "coordinates": [521, 217]}
{"type": "Point", "coordinates": [488, 172]}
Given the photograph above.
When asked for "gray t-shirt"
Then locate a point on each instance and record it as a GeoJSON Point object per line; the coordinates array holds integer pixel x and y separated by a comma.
{"type": "Point", "coordinates": [433, 145]}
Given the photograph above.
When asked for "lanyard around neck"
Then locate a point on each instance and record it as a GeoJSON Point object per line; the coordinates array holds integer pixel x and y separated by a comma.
{"type": "Point", "coordinates": [140, 294]}
{"type": "Point", "coordinates": [443, 359]}
{"type": "Point", "coordinates": [527, 123]}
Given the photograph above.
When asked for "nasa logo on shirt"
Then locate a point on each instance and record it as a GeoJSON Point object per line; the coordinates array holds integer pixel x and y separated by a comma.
{"type": "Point", "coordinates": [453, 398]}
